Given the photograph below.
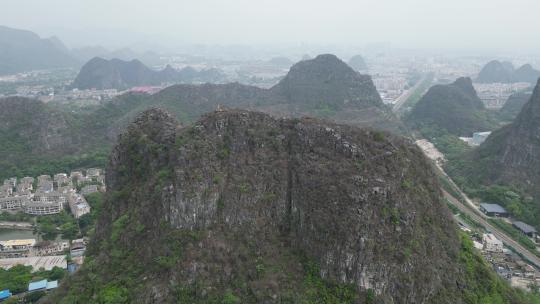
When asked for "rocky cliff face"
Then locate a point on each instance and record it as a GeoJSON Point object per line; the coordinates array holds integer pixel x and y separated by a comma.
{"type": "Point", "coordinates": [245, 206]}
{"type": "Point", "coordinates": [511, 154]}
{"type": "Point", "coordinates": [454, 107]}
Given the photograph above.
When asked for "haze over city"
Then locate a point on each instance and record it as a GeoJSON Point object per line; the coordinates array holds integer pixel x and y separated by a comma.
{"type": "Point", "coordinates": [486, 25]}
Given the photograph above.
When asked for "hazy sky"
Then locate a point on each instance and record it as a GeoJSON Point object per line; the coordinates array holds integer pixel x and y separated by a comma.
{"type": "Point", "coordinates": [496, 24]}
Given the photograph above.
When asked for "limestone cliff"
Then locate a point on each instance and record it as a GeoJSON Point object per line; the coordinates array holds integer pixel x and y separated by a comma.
{"type": "Point", "coordinates": [246, 208]}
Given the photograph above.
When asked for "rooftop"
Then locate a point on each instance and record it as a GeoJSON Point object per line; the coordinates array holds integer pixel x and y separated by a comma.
{"type": "Point", "coordinates": [495, 208]}
{"type": "Point", "coordinates": [47, 262]}
{"type": "Point", "coordinates": [37, 285]}
{"type": "Point", "coordinates": [4, 294]}
{"type": "Point", "coordinates": [52, 284]}
{"type": "Point", "coordinates": [525, 228]}
{"type": "Point", "coordinates": [18, 242]}
{"type": "Point", "coordinates": [491, 238]}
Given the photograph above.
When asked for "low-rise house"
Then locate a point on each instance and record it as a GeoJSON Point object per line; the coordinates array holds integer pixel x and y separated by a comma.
{"type": "Point", "coordinates": [43, 208]}
{"type": "Point", "coordinates": [83, 180]}
{"type": "Point", "coordinates": [51, 285]}
{"type": "Point", "coordinates": [38, 285]}
{"type": "Point", "coordinates": [50, 248]}
{"type": "Point", "coordinates": [45, 186]}
{"type": "Point", "coordinates": [75, 175]}
{"type": "Point", "coordinates": [4, 294]}
{"type": "Point", "coordinates": [493, 210]}
{"type": "Point", "coordinates": [525, 228]}
{"type": "Point", "coordinates": [36, 262]}
{"type": "Point", "coordinates": [49, 197]}
{"type": "Point", "coordinates": [24, 188]}
{"type": "Point", "coordinates": [65, 190]}
{"type": "Point", "coordinates": [27, 180]}
{"type": "Point", "coordinates": [16, 248]}
{"type": "Point", "coordinates": [11, 182]}
{"type": "Point", "coordinates": [78, 205]}
{"type": "Point", "coordinates": [6, 190]}
{"type": "Point", "coordinates": [44, 178]}
{"type": "Point", "coordinates": [89, 189]}
{"type": "Point", "coordinates": [14, 202]}
{"type": "Point", "coordinates": [78, 247]}
{"type": "Point", "coordinates": [492, 243]}
{"type": "Point", "coordinates": [62, 179]}
{"type": "Point", "coordinates": [93, 172]}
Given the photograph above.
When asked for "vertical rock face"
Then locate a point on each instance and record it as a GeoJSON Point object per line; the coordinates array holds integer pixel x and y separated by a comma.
{"type": "Point", "coordinates": [513, 152]}
{"type": "Point", "coordinates": [259, 192]}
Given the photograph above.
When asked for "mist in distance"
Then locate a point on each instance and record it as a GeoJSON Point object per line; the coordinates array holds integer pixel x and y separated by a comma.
{"type": "Point", "coordinates": [481, 25]}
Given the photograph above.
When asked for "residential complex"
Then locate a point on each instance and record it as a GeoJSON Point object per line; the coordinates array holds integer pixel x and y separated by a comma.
{"type": "Point", "coordinates": [51, 195]}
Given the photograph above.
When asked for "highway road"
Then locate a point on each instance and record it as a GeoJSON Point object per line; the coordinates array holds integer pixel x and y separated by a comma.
{"type": "Point", "coordinates": [401, 99]}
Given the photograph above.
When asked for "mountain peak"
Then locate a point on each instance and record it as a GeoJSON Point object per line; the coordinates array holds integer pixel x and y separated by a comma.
{"type": "Point", "coordinates": [239, 177]}
{"type": "Point", "coordinates": [358, 63]}
{"type": "Point", "coordinates": [327, 80]}
{"type": "Point", "coordinates": [465, 84]}
{"type": "Point", "coordinates": [454, 107]}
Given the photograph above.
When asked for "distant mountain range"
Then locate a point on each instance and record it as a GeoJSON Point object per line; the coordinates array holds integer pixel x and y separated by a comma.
{"type": "Point", "coordinates": [22, 50]}
{"type": "Point", "coordinates": [101, 74]}
{"type": "Point", "coordinates": [504, 72]}
{"type": "Point", "coordinates": [358, 63]}
{"type": "Point", "coordinates": [323, 87]}
{"type": "Point", "coordinates": [454, 107]}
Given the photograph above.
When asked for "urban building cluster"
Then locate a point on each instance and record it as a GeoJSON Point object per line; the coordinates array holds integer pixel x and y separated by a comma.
{"type": "Point", "coordinates": [47, 94]}
{"type": "Point", "coordinates": [390, 86]}
{"type": "Point", "coordinates": [495, 95]}
{"type": "Point", "coordinates": [47, 195]}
